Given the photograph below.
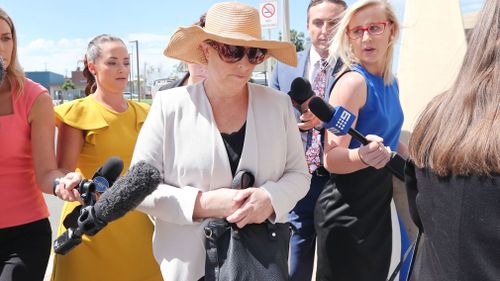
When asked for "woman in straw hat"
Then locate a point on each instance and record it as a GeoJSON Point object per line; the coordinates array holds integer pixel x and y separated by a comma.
{"type": "Point", "coordinates": [199, 136]}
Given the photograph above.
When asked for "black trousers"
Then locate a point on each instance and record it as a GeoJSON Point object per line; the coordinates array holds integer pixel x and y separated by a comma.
{"type": "Point", "coordinates": [24, 251]}
{"type": "Point", "coordinates": [353, 226]}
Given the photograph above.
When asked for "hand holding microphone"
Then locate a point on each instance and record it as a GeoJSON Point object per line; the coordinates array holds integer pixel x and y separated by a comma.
{"type": "Point", "coordinates": [72, 186]}
{"type": "Point", "coordinates": [65, 187]}
{"type": "Point", "coordinates": [125, 195]}
{"type": "Point", "coordinates": [374, 153]}
{"type": "Point", "coordinates": [87, 191]}
{"type": "Point", "coordinates": [300, 93]}
{"type": "Point", "coordinates": [339, 122]}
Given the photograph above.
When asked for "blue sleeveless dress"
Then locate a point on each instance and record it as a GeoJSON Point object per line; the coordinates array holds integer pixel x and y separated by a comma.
{"type": "Point", "coordinates": [353, 213]}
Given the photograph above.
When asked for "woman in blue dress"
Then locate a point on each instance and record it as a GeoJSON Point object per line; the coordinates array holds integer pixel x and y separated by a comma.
{"type": "Point", "coordinates": [358, 230]}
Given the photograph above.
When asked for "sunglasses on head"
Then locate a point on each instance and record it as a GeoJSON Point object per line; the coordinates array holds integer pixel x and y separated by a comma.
{"type": "Point", "coordinates": [232, 54]}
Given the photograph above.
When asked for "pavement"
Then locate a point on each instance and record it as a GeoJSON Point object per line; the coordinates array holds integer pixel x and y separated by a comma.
{"type": "Point", "coordinates": [55, 205]}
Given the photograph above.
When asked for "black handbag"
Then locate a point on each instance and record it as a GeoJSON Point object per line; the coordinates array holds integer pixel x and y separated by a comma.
{"type": "Point", "coordinates": [255, 252]}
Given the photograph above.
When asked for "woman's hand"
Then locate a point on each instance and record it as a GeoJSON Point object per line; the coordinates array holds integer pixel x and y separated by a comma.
{"type": "Point", "coordinates": [309, 120]}
{"type": "Point", "coordinates": [374, 154]}
{"type": "Point", "coordinates": [66, 187]}
{"type": "Point", "coordinates": [256, 207]}
{"type": "Point", "coordinates": [218, 203]}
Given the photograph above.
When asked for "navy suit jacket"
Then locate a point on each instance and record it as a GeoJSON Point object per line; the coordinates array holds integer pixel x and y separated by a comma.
{"type": "Point", "coordinates": [283, 74]}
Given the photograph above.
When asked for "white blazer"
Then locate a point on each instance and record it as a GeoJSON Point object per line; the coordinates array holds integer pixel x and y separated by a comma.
{"type": "Point", "coordinates": [180, 138]}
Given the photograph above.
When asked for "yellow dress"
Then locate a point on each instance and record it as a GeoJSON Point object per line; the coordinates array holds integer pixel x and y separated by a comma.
{"type": "Point", "coordinates": [123, 249]}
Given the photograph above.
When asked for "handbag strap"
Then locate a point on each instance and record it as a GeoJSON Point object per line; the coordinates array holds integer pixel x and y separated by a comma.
{"type": "Point", "coordinates": [242, 180]}
{"type": "Point", "coordinates": [410, 180]}
{"type": "Point", "coordinates": [414, 247]}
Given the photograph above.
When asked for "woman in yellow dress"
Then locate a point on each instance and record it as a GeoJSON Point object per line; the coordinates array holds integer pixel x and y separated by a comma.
{"type": "Point", "coordinates": [91, 130]}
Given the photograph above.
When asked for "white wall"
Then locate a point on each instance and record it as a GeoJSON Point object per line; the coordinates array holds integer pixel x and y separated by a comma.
{"type": "Point", "coordinates": [432, 48]}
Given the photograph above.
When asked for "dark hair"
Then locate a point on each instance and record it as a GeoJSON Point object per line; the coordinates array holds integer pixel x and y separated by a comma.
{"type": "Point", "coordinates": [317, 2]}
{"type": "Point", "coordinates": [201, 21]}
{"type": "Point", "coordinates": [93, 53]}
{"type": "Point", "coordinates": [458, 131]}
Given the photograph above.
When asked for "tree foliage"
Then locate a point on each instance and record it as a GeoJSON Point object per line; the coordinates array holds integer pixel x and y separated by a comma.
{"type": "Point", "coordinates": [68, 85]}
{"type": "Point", "coordinates": [297, 38]}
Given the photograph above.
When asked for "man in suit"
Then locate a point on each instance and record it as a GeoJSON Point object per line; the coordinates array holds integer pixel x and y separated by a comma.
{"type": "Point", "coordinates": [322, 15]}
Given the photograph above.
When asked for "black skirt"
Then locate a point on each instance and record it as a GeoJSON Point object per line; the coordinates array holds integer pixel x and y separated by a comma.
{"type": "Point", "coordinates": [353, 224]}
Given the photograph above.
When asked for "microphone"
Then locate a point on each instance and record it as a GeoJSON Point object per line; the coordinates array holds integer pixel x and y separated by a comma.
{"type": "Point", "coordinates": [300, 90]}
{"type": "Point", "coordinates": [2, 70]}
{"type": "Point", "coordinates": [339, 121]}
{"type": "Point", "coordinates": [106, 175]}
{"type": "Point", "coordinates": [103, 178]}
{"type": "Point", "coordinates": [126, 194]}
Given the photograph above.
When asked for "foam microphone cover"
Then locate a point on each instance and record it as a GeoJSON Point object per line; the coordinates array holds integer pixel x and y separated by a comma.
{"type": "Point", "coordinates": [321, 109]}
{"type": "Point", "coordinates": [2, 70]}
{"type": "Point", "coordinates": [127, 192]}
{"type": "Point", "coordinates": [300, 90]}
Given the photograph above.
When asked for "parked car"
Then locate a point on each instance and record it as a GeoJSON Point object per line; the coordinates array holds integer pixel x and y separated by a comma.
{"type": "Point", "coordinates": [130, 96]}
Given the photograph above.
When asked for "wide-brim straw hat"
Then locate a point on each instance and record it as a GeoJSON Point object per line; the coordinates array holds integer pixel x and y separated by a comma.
{"type": "Point", "coordinates": [230, 23]}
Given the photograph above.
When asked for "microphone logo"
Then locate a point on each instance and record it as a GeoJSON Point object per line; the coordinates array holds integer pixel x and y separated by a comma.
{"type": "Point", "coordinates": [101, 184]}
{"type": "Point", "coordinates": [341, 121]}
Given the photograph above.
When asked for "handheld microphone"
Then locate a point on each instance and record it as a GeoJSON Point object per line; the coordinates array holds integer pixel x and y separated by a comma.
{"type": "Point", "coordinates": [106, 175]}
{"type": "Point", "coordinates": [339, 121]}
{"type": "Point", "coordinates": [103, 178]}
{"type": "Point", "coordinates": [126, 194]}
{"type": "Point", "coordinates": [2, 70]}
{"type": "Point", "coordinates": [300, 90]}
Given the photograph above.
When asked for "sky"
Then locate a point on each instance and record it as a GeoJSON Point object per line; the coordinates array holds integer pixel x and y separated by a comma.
{"type": "Point", "coordinates": [53, 34]}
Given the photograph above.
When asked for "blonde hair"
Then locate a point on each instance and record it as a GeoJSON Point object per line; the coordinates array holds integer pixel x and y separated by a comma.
{"type": "Point", "coordinates": [458, 131]}
{"type": "Point", "coordinates": [340, 46]}
{"type": "Point", "coordinates": [14, 72]}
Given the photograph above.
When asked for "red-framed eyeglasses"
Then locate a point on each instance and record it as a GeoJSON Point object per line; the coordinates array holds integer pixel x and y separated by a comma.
{"type": "Point", "coordinates": [375, 28]}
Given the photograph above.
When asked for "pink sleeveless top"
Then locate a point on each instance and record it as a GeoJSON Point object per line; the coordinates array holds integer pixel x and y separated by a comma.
{"type": "Point", "coordinates": [21, 201]}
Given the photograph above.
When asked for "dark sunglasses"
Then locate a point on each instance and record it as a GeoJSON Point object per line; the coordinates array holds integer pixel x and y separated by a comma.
{"type": "Point", "coordinates": [232, 54]}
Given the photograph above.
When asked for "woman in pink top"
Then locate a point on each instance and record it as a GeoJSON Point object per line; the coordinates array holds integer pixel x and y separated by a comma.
{"type": "Point", "coordinates": [27, 167]}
